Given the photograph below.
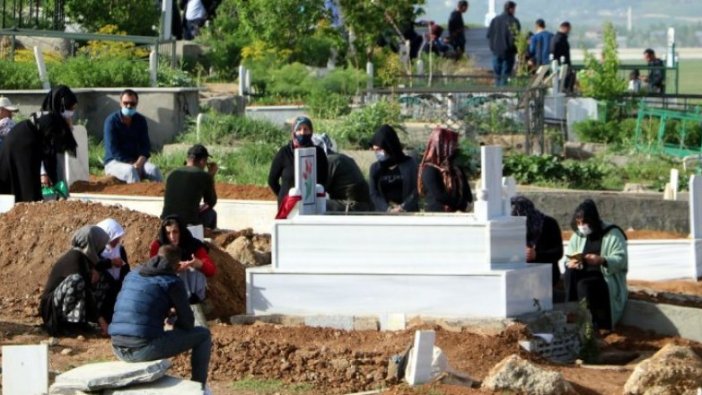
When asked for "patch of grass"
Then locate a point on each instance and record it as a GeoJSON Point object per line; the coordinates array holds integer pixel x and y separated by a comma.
{"type": "Point", "coordinates": [269, 387]}
{"type": "Point", "coordinates": [690, 76]}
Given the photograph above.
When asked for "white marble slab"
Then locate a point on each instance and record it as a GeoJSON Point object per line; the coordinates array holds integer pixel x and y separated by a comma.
{"type": "Point", "coordinates": [7, 202]}
{"type": "Point", "coordinates": [695, 207]}
{"type": "Point", "coordinates": [490, 294]}
{"type": "Point", "coordinates": [653, 260]}
{"type": "Point", "coordinates": [419, 364]}
{"type": "Point", "coordinates": [25, 369]}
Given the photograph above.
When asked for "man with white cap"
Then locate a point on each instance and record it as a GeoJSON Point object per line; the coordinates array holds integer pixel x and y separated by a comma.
{"type": "Point", "coordinates": [7, 109]}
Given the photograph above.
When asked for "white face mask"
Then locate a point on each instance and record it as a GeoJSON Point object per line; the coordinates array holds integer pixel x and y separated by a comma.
{"type": "Point", "coordinates": [67, 114]}
{"type": "Point", "coordinates": [585, 230]}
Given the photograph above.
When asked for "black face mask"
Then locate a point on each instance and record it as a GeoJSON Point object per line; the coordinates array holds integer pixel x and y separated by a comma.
{"type": "Point", "coordinates": [303, 140]}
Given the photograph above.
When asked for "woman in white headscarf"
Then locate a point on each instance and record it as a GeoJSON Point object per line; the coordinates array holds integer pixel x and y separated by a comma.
{"type": "Point", "coordinates": [67, 304]}
{"type": "Point", "coordinates": [113, 267]}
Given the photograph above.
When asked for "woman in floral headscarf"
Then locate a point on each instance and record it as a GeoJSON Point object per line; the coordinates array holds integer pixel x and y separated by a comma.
{"type": "Point", "coordinates": [442, 183]}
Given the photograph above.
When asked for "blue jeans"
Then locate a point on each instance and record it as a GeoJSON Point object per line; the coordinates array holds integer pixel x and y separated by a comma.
{"type": "Point", "coordinates": [173, 343]}
{"type": "Point", "coordinates": [502, 67]}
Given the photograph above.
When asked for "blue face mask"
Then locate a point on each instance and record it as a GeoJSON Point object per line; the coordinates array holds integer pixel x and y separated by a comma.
{"type": "Point", "coordinates": [128, 112]}
{"type": "Point", "coordinates": [381, 156]}
{"type": "Point", "coordinates": [303, 140]}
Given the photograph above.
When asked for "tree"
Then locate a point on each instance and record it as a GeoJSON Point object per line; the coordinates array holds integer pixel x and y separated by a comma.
{"type": "Point", "coordinates": [599, 79]}
{"type": "Point", "coordinates": [136, 17]}
{"type": "Point", "coordinates": [366, 20]}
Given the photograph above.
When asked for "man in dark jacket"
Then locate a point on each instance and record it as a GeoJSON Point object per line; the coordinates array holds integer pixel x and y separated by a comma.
{"type": "Point", "coordinates": [150, 294]}
{"type": "Point", "coordinates": [560, 50]}
{"type": "Point", "coordinates": [456, 28]}
{"type": "Point", "coordinates": [656, 75]}
{"type": "Point", "coordinates": [501, 35]}
{"type": "Point", "coordinates": [187, 186]}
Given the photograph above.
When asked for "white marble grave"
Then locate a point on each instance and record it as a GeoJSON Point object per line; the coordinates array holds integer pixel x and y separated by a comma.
{"type": "Point", "coordinates": [104, 375]}
{"type": "Point", "coordinates": [25, 369]}
{"type": "Point", "coordinates": [76, 168]}
{"type": "Point", "coordinates": [419, 364]}
{"type": "Point", "coordinates": [432, 265]}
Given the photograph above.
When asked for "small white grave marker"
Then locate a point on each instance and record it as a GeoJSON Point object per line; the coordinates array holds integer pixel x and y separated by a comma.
{"type": "Point", "coordinates": [509, 190]}
{"type": "Point", "coordinates": [420, 360]}
{"type": "Point", "coordinates": [674, 182]}
{"type": "Point", "coordinates": [306, 178]}
{"type": "Point", "coordinates": [490, 204]}
{"type": "Point", "coordinates": [25, 369]}
{"type": "Point", "coordinates": [6, 203]}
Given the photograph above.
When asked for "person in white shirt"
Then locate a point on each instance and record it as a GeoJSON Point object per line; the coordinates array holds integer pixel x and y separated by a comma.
{"type": "Point", "coordinates": [195, 17]}
{"type": "Point", "coordinates": [7, 109]}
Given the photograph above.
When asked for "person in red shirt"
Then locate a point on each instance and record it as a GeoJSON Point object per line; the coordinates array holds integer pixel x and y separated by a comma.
{"type": "Point", "coordinates": [195, 263]}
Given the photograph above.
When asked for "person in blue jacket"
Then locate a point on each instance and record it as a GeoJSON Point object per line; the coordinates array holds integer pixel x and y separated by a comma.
{"type": "Point", "coordinates": [540, 44]}
{"type": "Point", "coordinates": [127, 144]}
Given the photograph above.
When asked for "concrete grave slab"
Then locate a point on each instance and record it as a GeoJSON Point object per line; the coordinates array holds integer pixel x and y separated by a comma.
{"type": "Point", "coordinates": [419, 364]}
{"type": "Point", "coordinates": [25, 369]}
{"type": "Point", "coordinates": [167, 385]}
{"type": "Point", "coordinates": [664, 319]}
{"type": "Point", "coordinates": [114, 374]}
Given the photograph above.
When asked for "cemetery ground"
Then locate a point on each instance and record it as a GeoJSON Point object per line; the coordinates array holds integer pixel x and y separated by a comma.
{"type": "Point", "coordinates": [265, 358]}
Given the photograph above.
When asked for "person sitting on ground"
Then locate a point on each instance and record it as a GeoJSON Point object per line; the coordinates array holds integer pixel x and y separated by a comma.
{"type": "Point", "coordinates": [443, 184]}
{"type": "Point", "coordinates": [67, 303]}
{"type": "Point", "coordinates": [346, 185]}
{"type": "Point", "coordinates": [393, 177]}
{"type": "Point", "coordinates": [195, 263]}
{"type": "Point", "coordinates": [188, 186]}
{"type": "Point", "coordinates": [127, 144]}
{"type": "Point", "coordinates": [544, 243]}
{"type": "Point", "coordinates": [596, 266]}
{"type": "Point", "coordinates": [113, 267]}
{"type": "Point", "coordinates": [439, 45]}
{"type": "Point", "coordinates": [34, 143]}
{"type": "Point", "coordinates": [153, 293]}
{"type": "Point", "coordinates": [281, 177]}
{"type": "Point", "coordinates": [6, 122]}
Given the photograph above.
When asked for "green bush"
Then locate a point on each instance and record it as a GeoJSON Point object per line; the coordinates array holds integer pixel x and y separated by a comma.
{"type": "Point", "coordinates": [327, 105]}
{"type": "Point", "coordinates": [355, 130]}
{"type": "Point", "coordinates": [82, 71]}
{"type": "Point", "coordinates": [19, 75]}
{"type": "Point", "coordinates": [491, 118]}
{"type": "Point", "coordinates": [217, 129]}
{"type": "Point", "coordinates": [553, 171]}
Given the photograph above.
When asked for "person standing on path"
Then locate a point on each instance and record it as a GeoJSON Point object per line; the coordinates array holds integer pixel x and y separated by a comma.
{"type": "Point", "coordinates": [502, 34]}
{"type": "Point", "coordinates": [457, 29]}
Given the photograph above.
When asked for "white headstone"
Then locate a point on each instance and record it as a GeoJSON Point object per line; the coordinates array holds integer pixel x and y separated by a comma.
{"type": "Point", "coordinates": [25, 369]}
{"type": "Point", "coordinates": [41, 66]}
{"type": "Point", "coordinates": [306, 178]}
{"type": "Point", "coordinates": [167, 10]}
{"type": "Point", "coordinates": [77, 168]}
{"type": "Point", "coordinates": [490, 204]}
{"type": "Point", "coordinates": [491, 13]}
{"type": "Point", "coordinates": [242, 80]}
{"type": "Point", "coordinates": [577, 110]}
{"type": "Point", "coordinates": [419, 371]}
{"type": "Point", "coordinates": [369, 74]}
{"type": "Point", "coordinates": [675, 182]}
{"type": "Point", "coordinates": [670, 53]}
{"type": "Point", "coordinates": [695, 207]}
{"type": "Point", "coordinates": [153, 68]}
{"type": "Point", "coordinates": [509, 190]}
{"type": "Point", "coordinates": [6, 203]}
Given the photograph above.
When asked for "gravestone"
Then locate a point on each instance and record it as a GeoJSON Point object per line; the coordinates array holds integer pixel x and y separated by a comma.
{"type": "Point", "coordinates": [695, 188]}
{"type": "Point", "coordinates": [116, 374]}
{"type": "Point", "coordinates": [419, 365]}
{"type": "Point", "coordinates": [25, 369]}
{"type": "Point", "coordinates": [167, 385]}
{"type": "Point", "coordinates": [489, 204]}
{"type": "Point", "coordinates": [578, 110]}
{"type": "Point", "coordinates": [306, 179]}
{"type": "Point", "coordinates": [76, 168]}
{"type": "Point", "coordinates": [6, 203]}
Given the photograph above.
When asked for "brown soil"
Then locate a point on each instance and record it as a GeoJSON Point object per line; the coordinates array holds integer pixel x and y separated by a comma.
{"type": "Point", "coordinates": [112, 186]}
{"type": "Point", "coordinates": [632, 234]}
{"type": "Point", "coordinates": [328, 361]}
{"type": "Point", "coordinates": [34, 235]}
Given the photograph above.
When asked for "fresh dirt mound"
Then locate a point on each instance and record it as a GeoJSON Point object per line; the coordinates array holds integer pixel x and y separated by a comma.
{"type": "Point", "coordinates": [112, 186]}
{"type": "Point", "coordinates": [34, 235]}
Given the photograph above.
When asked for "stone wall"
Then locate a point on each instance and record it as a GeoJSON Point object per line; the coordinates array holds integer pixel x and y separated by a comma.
{"type": "Point", "coordinates": [638, 211]}
{"type": "Point", "coordinates": [165, 109]}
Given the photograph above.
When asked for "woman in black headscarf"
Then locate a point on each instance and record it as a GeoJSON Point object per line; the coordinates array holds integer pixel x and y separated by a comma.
{"type": "Point", "coordinates": [36, 141]}
{"type": "Point", "coordinates": [393, 177]}
{"type": "Point", "coordinates": [281, 176]}
{"type": "Point", "coordinates": [543, 238]}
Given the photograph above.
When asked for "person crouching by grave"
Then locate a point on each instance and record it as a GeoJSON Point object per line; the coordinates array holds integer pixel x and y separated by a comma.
{"type": "Point", "coordinates": [127, 144]}
{"type": "Point", "coordinates": [346, 185]}
{"type": "Point", "coordinates": [544, 243]}
{"type": "Point", "coordinates": [393, 177]}
{"type": "Point", "coordinates": [443, 184]}
{"type": "Point", "coordinates": [596, 266]}
{"type": "Point", "coordinates": [113, 267]}
{"type": "Point", "coordinates": [68, 304]}
{"type": "Point", "coordinates": [188, 186]}
{"type": "Point", "coordinates": [281, 177]}
{"type": "Point", "coordinates": [151, 295]}
{"type": "Point", "coordinates": [195, 263]}
{"type": "Point", "coordinates": [28, 154]}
